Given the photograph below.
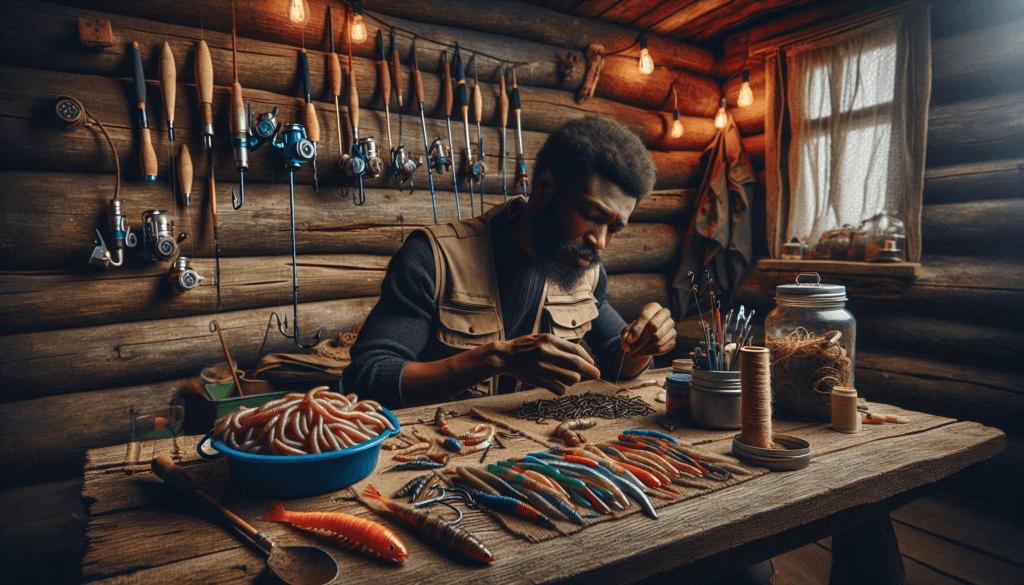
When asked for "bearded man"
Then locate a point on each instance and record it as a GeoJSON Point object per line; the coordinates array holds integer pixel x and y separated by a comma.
{"type": "Point", "coordinates": [505, 299]}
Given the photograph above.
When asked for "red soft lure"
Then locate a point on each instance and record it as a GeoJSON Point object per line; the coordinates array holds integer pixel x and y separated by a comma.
{"type": "Point", "coordinates": [350, 531]}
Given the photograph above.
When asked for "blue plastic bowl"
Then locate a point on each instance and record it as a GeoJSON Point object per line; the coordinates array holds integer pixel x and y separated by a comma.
{"type": "Point", "coordinates": [300, 475]}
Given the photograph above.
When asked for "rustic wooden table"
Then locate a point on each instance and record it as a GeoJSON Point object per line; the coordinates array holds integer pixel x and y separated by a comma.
{"type": "Point", "coordinates": [140, 532]}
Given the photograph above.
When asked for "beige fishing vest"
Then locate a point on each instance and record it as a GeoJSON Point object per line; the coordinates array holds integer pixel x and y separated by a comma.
{"type": "Point", "coordinates": [466, 293]}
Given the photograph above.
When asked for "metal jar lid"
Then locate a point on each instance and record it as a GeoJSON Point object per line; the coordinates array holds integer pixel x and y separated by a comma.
{"type": "Point", "coordinates": [678, 379]}
{"type": "Point", "coordinates": [797, 454]}
{"type": "Point", "coordinates": [811, 294]}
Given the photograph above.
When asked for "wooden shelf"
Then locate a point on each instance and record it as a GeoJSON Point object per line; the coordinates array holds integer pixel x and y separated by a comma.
{"type": "Point", "coordinates": [909, 270]}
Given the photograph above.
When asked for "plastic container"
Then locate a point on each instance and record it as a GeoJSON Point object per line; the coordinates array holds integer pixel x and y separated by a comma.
{"type": "Point", "coordinates": [300, 475]}
{"type": "Point", "coordinates": [812, 339]}
{"type": "Point", "coordinates": [715, 398]}
{"type": "Point", "coordinates": [677, 396]}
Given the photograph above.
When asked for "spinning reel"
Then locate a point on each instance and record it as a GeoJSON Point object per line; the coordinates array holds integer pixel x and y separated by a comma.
{"type": "Point", "coordinates": [439, 157]}
{"type": "Point", "coordinates": [365, 161]}
{"type": "Point", "coordinates": [182, 277]}
{"type": "Point", "coordinates": [158, 240]}
{"type": "Point", "coordinates": [403, 166]}
{"type": "Point", "coordinates": [121, 237]}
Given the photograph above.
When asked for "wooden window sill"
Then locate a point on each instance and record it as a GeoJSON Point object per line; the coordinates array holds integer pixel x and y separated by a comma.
{"type": "Point", "coordinates": [901, 270]}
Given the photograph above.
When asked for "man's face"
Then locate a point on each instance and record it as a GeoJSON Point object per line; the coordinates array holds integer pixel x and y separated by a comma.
{"type": "Point", "coordinates": [572, 228]}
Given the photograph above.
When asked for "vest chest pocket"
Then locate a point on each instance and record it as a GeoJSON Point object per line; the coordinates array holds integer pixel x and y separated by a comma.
{"type": "Point", "coordinates": [464, 329]}
{"type": "Point", "coordinates": [571, 321]}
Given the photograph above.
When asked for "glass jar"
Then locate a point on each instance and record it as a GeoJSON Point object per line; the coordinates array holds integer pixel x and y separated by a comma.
{"type": "Point", "coordinates": [812, 340]}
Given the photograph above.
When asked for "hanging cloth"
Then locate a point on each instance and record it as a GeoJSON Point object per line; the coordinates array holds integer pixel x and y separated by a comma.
{"type": "Point", "coordinates": [719, 237]}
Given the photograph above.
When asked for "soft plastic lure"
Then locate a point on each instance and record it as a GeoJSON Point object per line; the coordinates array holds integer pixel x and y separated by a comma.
{"type": "Point", "coordinates": [350, 531]}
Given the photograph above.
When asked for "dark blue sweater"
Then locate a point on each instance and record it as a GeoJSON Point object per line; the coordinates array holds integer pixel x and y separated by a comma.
{"type": "Point", "coordinates": [401, 326]}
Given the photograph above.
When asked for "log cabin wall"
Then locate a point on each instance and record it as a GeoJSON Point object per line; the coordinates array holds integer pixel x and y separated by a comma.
{"type": "Point", "coordinates": [81, 345]}
{"type": "Point", "coordinates": [946, 342]}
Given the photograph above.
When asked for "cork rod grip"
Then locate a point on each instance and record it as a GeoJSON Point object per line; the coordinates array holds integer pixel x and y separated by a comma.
{"type": "Point", "coordinates": [503, 102]}
{"type": "Point", "coordinates": [385, 82]}
{"type": "Point", "coordinates": [353, 99]}
{"type": "Point", "coordinates": [334, 64]}
{"type": "Point", "coordinates": [446, 90]}
{"type": "Point", "coordinates": [417, 83]}
{"type": "Point", "coordinates": [239, 122]}
{"type": "Point", "coordinates": [478, 103]}
{"type": "Point", "coordinates": [204, 81]}
{"type": "Point", "coordinates": [147, 156]}
{"type": "Point", "coordinates": [312, 123]}
{"type": "Point", "coordinates": [168, 80]}
{"type": "Point", "coordinates": [396, 67]}
{"type": "Point", "coordinates": [185, 170]}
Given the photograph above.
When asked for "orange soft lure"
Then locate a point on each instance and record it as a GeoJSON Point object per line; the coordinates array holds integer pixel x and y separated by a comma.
{"type": "Point", "coordinates": [351, 531]}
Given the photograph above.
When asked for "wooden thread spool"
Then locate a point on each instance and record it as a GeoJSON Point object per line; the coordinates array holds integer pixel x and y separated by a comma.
{"type": "Point", "coordinates": [755, 397]}
{"type": "Point", "coordinates": [845, 417]}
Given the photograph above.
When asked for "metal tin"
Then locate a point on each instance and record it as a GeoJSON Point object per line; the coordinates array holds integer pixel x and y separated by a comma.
{"type": "Point", "coordinates": [677, 396]}
{"type": "Point", "coordinates": [797, 454]}
{"type": "Point", "coordinates": [715, 398]}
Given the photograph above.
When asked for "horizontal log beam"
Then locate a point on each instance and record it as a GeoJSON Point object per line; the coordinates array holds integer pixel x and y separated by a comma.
{"type": "Point", "coordinates": [754, 146]}
{"type": "Point", "coordinates": [979, 228]}
{"type": "Point", "coordinates": [997, 179]}
{"type": "Point", "coordinates": [630, 292]}
{"type": "Point", "coordinates": [622, 81]}
{"type": "Point", "coordinates": [327, 223]}
{"type": "Point", "coordinates": [976, 130]}
{"type": "Point", "coordinates": [982, 62]}
{"type": "Point", "coordinates": [74, 360]}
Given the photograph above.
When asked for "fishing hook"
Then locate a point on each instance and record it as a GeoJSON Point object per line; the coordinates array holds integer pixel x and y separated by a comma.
{"type": "Point", "coordinates": [266, 333]}
{"type": "Point", "coordinates": [238, 200]}
{"type": "Point", "coordinates": [448, 494]}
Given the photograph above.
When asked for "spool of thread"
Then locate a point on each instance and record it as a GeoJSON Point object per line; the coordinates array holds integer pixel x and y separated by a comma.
{"type": "Point", "coordinates": [845, 417]}
{"type": "Point", "coordinates": [755, 397]}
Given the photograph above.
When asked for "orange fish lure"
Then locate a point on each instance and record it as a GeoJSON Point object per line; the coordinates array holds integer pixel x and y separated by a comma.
{"type": "Point", "coordinates": [350, 531]}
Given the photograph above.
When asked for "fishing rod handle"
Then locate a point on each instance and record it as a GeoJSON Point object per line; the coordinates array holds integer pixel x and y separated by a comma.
{"type": "Point", "coordinates": [446, 89]}
{"type": "Point", "coordinates": [385, 82]}
{"type": "Point", "coordinates": [185, 171]}
{"type": "Point", "coordinates": [478, 102]}
{"type": "Point", "coordinates": [182, 480]}
{"type": "Point", "coordinates": [503, 102]}
{"type": "Point", "coordinates": [204, 81]}
{"type": "Point", "coordinates": [353, 99]}
{"type": "Point", "coordinates": [307, 88]}
{"type": "Point", "coordinates": [168, 82]}
{"type": "Point", "coordinates": [312, 123]}
{"type": "Point", "coordinates": [138, 78]}
{"type": "Point", "coordinates": [396, 68]}
{"type": "Point", "coordinates": [417, 83]}
{"type": "Point", "coordinates": [147, 157]}
{"type": "Point", "coordinates": [239, 120]}
{"type": "Point", "coordinates": [334, 65]}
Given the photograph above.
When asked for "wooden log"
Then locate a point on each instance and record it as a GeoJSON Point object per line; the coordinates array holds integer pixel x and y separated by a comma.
{"type": "Point", "coordinates": [87, 420]}
{"type": "Point", "coordinates": [978, 63]}
{"type": "Point", "coordinates": [677, 169]}
{"type": "Point", "coordinates": [979, 228]}
{"type": "Point", "coordinates": [622, 81]}
{"type": "Point", "coordinates": [40, 301]}
{"type": "Point", "coordinates": [328, 223]}
{"type": "Point", "coordinates": [998, 179]}
{"type": "Point", "coordinates": [732, 16]}
{"type": "Point", "coordinates": [976, 130]}
{"type": "Point", "coordinates": [44, 532]}
{"type": "Point", "coordinates": [630, 292]}
{"type": "Point", "coordinates": [271, 67]}
{"type": "Point", "coordinates": [48, 147]}
{"type": "Point", "coordinates": [754, 146]}
{"type": "Point", "coordinates": [73, 360]}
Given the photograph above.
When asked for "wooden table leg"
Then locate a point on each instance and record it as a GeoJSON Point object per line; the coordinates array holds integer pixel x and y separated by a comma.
{"type": "Point", "coordinates": [868, 553]}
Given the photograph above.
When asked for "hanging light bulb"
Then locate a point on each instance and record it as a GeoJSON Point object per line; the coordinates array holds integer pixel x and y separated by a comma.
{"type": "Point", "coordinates": [677, 126]}
{"type": "Point", "coordinates": [746, 96]}
{"type": "Point", "coordinates": [646, 63]}
{"type": "Point", "coordinates": [721, 119]}
{"type": "Point", "coordinates": [298, 12]}
{"type": "Point", "coordinates": [358, 28]}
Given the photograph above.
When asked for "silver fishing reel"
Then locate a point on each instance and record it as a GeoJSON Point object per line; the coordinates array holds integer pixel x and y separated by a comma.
{"type": "Point", "coordinates": [439, 157]}
{"type": "Point", "coordinates": [182, 276]}
{"type": "Point", "coordinates": [365, 161]}
{"type": "Point", "coordinates": [158, 240]}
{"type": "Point", "coordinates": [403, 166]}
{"type": "Point", "coordinates": [121, 237]}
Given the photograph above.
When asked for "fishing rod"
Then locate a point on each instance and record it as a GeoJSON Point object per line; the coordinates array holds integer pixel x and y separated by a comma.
{"type": "Point", "coordinates": [204, 84]}
{"type": "Point", "coordinates": [463, 99]}
{"type": "Point", "coordinates": [517, 106]}
{"type": "Point", "coordinates": [239, 122]}
{"type": "Point", "coordinates": [335, 68]}
{"type": "Point", "coordinates": [169, 86]}
{"type": "Point", "coordinates": [185, 173]}
{"type": "Point", "coordinates": [364, 159]}
{"type": "Point", "coordinates": [402, 164]}
{"type": "Point", "coordinates": [480, 167]}
{"type": "Point", "coordinates": [417, 83]}
{"type": "Point", "coordinates": [384, 78]}
{"type": "Point", "coordinates": [503, 107]}
{"type": "Point", "coordinates": [446, 92]}
{"type": "Point", "coordinates": [147, 158]}
{"type": "Point", "coordinates": [312, 124]}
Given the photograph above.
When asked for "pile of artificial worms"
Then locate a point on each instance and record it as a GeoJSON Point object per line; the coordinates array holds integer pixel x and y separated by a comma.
{"type": "Point", "coordinates": [582, 405]}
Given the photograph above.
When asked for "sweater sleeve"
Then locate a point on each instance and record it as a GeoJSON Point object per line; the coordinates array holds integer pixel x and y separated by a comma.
{"type": "Point", "coordinates": [399, 327]}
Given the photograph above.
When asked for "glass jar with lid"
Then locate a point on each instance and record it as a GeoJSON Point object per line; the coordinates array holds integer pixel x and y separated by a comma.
{"type": "Point", "coordinates": [812, 340]}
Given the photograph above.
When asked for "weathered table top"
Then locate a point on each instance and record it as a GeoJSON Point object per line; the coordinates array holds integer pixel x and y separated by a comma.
{"type": "Point", "coordinates": [140, 533]}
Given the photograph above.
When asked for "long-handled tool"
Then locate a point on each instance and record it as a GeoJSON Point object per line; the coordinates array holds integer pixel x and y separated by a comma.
{"type": "Point", "coordinates": [417, 83]}
{"type": "Point", "coordinates": [503, 108]}
{"type": "Point", "coordinates": [295, 565]}
{"type": "Point", "coordinates": [334, 65]}
{"type": "Point", "coordinates": [204, 84]}
{"type": "Point", "coordinates": [446, 93]}
{"type": "Point", "coordinates": [239, 122]}
{"type": "Point", "coordinates": [312, 124]}
{"type": "Point", "coordinates": [147, 157]}
{"type": "Point", "coordinates": [517, 106]}
{"type": "Point", "coordinates": [355, 164]}
{"type": "Point", "coordinates": [402, 164]}
{"type": "Point", "coordinates": [169, 86]}
{"type": "Point", "coordinates": [480, 167]}
{"type": "Point", "coordinates": [384, 79]}
{"type": "Point", "coordinates": [462, 97]}
{"type": "Point", "coordinates": [297, 149]}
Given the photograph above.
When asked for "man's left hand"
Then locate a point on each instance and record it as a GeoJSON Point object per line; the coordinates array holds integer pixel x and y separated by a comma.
{"type": "Point", "coordinates": [652, 333]}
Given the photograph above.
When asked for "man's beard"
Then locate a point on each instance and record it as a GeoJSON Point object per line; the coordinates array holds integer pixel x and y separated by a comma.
{"type": "Point", "coordinates": [558, 257]}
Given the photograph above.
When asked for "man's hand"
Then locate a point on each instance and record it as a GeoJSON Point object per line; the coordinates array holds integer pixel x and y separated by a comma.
{"type": "Point", "coordinates": [545, 361]}
{"type": "Point", "coordinates": [653, 333]}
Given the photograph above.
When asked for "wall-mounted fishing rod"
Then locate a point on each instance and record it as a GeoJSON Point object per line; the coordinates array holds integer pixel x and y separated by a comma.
{"type": "Point", "coordinates": [402, 164]}
{"type": "Point", "coordinates": [312, 124]}
{"type": "Point", "coordinates": [239, 123]}
{"type": "Point", "coordinates": [517, 107]}
{"type": "Point", "coordinates": [479, 167]}
{"type": "Point", "coordinates": [384, 80]}
{"type": "Point", "coordinates": [503, 108]}
{"type": "Point", "coordinates": [204, 85]}
{"type": "Point", "coordinates": [169, 87]}
{"type": "Point", "coordinates": [364, 159]}
{"type": "Point", "coordinates": [446, 93]}
{"type": "Point", "coordinates": [147, 158]}
{"type": "Point", "coordinates": [417, 82]}
{"type": "Point", "coordinates": [334, 65]}
{"type": "Point", "coordinates": [462, 97]}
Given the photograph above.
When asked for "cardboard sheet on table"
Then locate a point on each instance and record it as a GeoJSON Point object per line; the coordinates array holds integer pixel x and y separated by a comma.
{"type": "Point", "coordinates": [538, 437]}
